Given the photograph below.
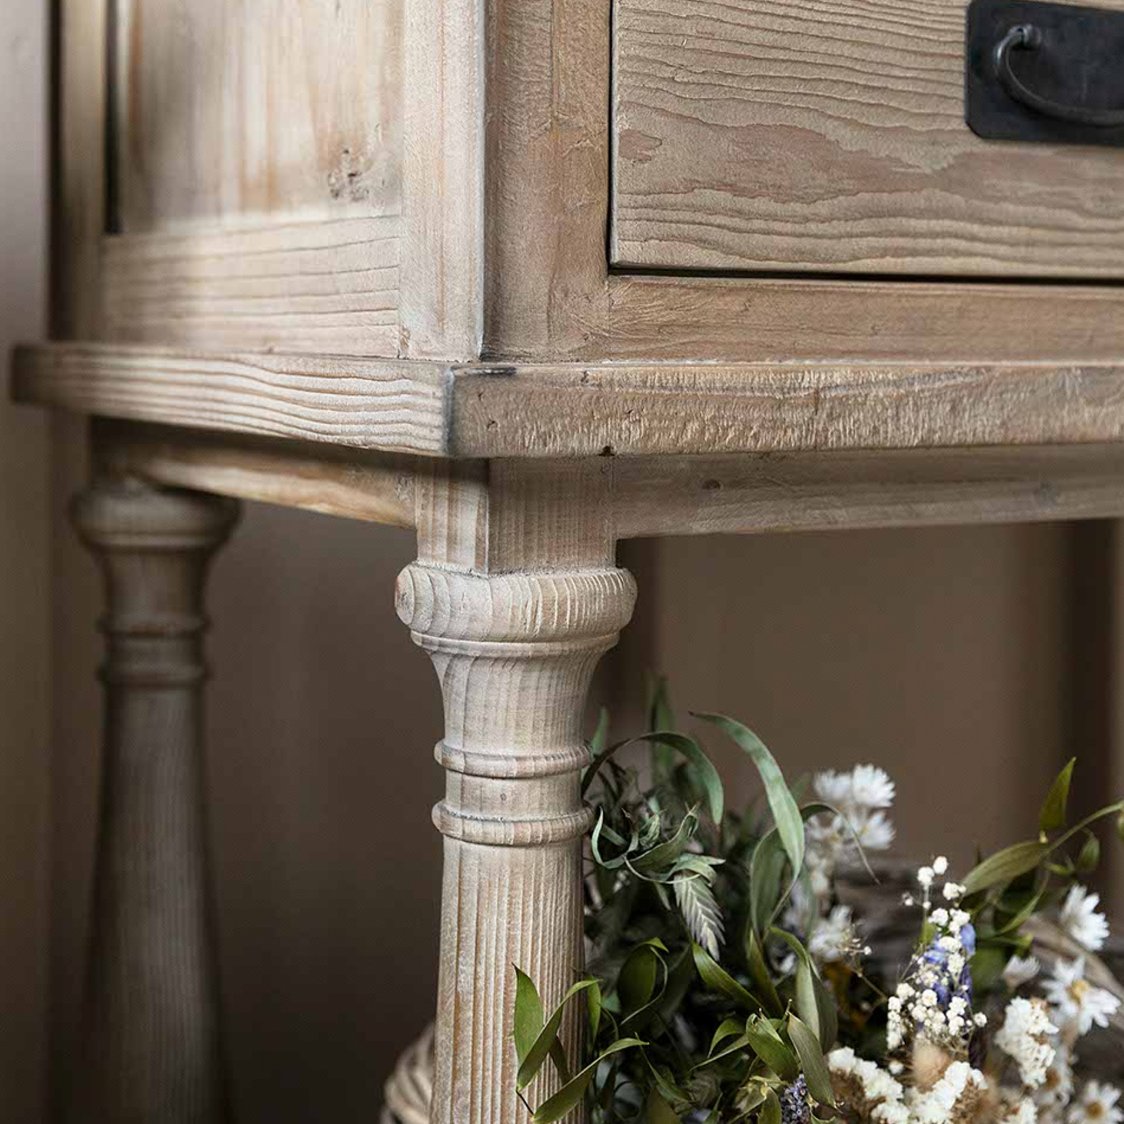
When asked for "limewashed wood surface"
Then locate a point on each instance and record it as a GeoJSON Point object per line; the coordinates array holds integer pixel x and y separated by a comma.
{"type": "Point", "coordinates": [229, 112]}
{"type": "Point", "coordinates": [515, 597]}
{"type": "Point", "coordinates": [627, 409]}
{"type": "Point", "coordinates": [777, 134]}
{"type": "Point", "coordinates": [150, 1043]}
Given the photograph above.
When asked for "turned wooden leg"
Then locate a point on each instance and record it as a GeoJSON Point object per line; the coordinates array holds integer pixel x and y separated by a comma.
{"type": "Point", "coordinates": [514, 654]}
{"type": "Point", "coordinates": [150, 1049]}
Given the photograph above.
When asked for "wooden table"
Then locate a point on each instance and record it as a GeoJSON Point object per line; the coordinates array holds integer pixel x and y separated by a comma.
{"type": "Point", "coordinates": [531, 277]}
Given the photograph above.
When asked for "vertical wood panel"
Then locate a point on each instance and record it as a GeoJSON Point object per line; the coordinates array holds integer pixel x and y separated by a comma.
{"type": "Point", "coordinates": [237, 109]}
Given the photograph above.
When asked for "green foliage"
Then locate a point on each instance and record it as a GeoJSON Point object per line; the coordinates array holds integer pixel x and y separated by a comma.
{"type": "Point", "coordinates": [701, 1005]}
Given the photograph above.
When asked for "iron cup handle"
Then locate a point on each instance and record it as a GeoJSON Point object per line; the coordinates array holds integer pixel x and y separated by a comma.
{"type": "Point", "coordinates": [1027, 37]}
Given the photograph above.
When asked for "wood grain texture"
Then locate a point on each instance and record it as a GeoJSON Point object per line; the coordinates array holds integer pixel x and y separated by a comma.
{"type": "Point", "coordinates": [319, 286]}
{"type": "Point", "coordinates": [572, 410]}
{"type": "Point", "coordinates": [677, 319]}
{"type": "Point", "coordinates": [551, 297]}
{"type": "Point", "coordinates": [379, 404]}
{"type": "Point", "coordinates": [250, 109]}
{"type": "Point", "coordinates": [639, 497]}
{"type": "Point", "coordinates": [780, 492]}
{"type": "Point", "coordinates": [515, 639]}
{"type": "Point", "coordinates": [374, 487]}
{"type": "Point", "coordinates": [443, 216]}
{"type": "Point", "coordinates": [774, 134]}
{"type": "Point", "coordinates": [150, 1046]}
{"type": "Point", "coordinates": [634, 409]}
{"type": "Point", "coordinates": [547, 175]}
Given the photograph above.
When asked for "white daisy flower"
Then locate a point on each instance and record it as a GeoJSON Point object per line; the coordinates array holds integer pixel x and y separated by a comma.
{"type": "Point", "coordinates": [1096, 1105]}
{"type": "Point", "coordinates": [871, 787]}
{"type": "Point", "coordinates": [1077, 1004]}
{"type": "Point", "coordinates": [1080, 919]}
{"type": "Point", "coordinates": [833, 938]}
{"type": "Point", "coordinates": [875, 831]}
{"type": "Point", "coordinates": [833, 788]}
{"type": "Point", "coordinates": [1020, 970]}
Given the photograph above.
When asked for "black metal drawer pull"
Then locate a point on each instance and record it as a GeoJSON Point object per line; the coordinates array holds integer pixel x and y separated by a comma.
{"type": "Point", "coordinates": [1027, 37]}
{"type": "Point", "coordinates": [1040, 72]}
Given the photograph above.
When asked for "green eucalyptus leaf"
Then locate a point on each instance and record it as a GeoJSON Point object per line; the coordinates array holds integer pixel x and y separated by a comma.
{"type": "Point", "coordinates": [636, 983]}
{"type": "Point", "coordinates": [1018, 859]}
{"type": "Point", "coordinates": [594, 1002]}
{"type": "Point", "coordinates": [547, 1038]}
{"type": "Point", "coordinates": [718, 979]}
{"type": "Point", "coordinates": [766, 869]}
{"type": "Point", "coordinates": [729, 1028]}
{"type": "Point", "coordinates": [658, 1111]}
{"type": "Point", "coordinates": [786, 813]}
{"type": "Point", "coordinates": [665, 854]}
{"type": "Point", "coordinates": [1017, 908]}
{"type": "Point", "coordinates": [569, 1096]}
{"type": "Point", "coordinates": [703, 769]}
{"type": "Point", "coordinates": [1090, 855]}
{"type": "Point", "coordinates": [771, 1049]}
{"type": "Point", "coordinates": [665, 1082]}
{"type": "Point", "coordinates": [600, 759]}
{"type": "Point", "coordinates": [600, 829]}
{"type": "Point", "coordinates": [811, 1060]}
{"type": "Point", "coordinates": [759, 972]}
{"type": "Point", "coordinates": [679, 979]}
{"type": "Point", "coordinates": [771, 1109]}
{"type": "Point", "coordinates": [601, 735]}
{"type": "Point", "coordinates": [812, 994]}
{"type": "Point", "coordinates": [1053, 814]}
{"type": "Point", "coordinates": [1005, 865]}
{"type": "Point", "coordinates": [528, 1015]}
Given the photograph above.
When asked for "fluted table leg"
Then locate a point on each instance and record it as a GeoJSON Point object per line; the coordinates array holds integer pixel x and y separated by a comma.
{"type": "Point", "coordinates": [515, 642]}
{"type": "Point", "coordinates": [150, 1050]}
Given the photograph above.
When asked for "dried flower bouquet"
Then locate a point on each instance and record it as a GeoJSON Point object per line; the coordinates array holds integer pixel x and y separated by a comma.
{"type": "Point", "coordinates": [730, 981]}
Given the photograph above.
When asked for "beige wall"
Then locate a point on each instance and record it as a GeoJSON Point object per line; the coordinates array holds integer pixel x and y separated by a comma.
{"type": "Point", "coordinates": [24, 574]}
{"type": "Point", "coordinates": [936, 653]}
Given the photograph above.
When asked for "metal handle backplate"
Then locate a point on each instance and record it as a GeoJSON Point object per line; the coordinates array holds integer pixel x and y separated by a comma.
{"type": "Point", "coordinates": [1029, 37]}
{"type": "Point", "coordinates": [1043, 72]}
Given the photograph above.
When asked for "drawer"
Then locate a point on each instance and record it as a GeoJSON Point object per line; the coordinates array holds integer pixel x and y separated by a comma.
{"type": "Point", "coordinates": [828, 136]}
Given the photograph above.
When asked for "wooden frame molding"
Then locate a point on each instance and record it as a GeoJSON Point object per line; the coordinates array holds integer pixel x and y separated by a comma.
{"type": "Point", "coordinates": [640, 497]}
{"type": "Point", "coordinates": [572, 410]}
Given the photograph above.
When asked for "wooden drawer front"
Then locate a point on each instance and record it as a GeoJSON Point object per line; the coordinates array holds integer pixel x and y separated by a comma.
{"type": "Point", "coordinates": [829, 136]}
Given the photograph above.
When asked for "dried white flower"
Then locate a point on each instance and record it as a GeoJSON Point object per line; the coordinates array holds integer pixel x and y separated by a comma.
{"type": "Point", "coordinates": [1096, 1105]}
{"type": "Point", "coordinates": [1080, 919]}
{"type": "Point", "coordinates": [1020, 970]}
{"type": "Point", "coordinates": [1024, 1037]}
{"type": "Point", "coordinates": [956, 1095]}
{"type": "Point", "coordinates": [833, 938]}
{"type": "Point", "coordinates": [1077, 1004]}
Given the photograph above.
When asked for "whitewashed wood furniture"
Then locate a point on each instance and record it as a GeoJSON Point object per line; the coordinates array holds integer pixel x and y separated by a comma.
{"type": "Point", "coordinates": [532, 277]}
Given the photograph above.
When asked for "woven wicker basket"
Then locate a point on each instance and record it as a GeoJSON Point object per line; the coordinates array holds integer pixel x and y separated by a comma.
{"type": "Point", "coordinates": [410, 1087]}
